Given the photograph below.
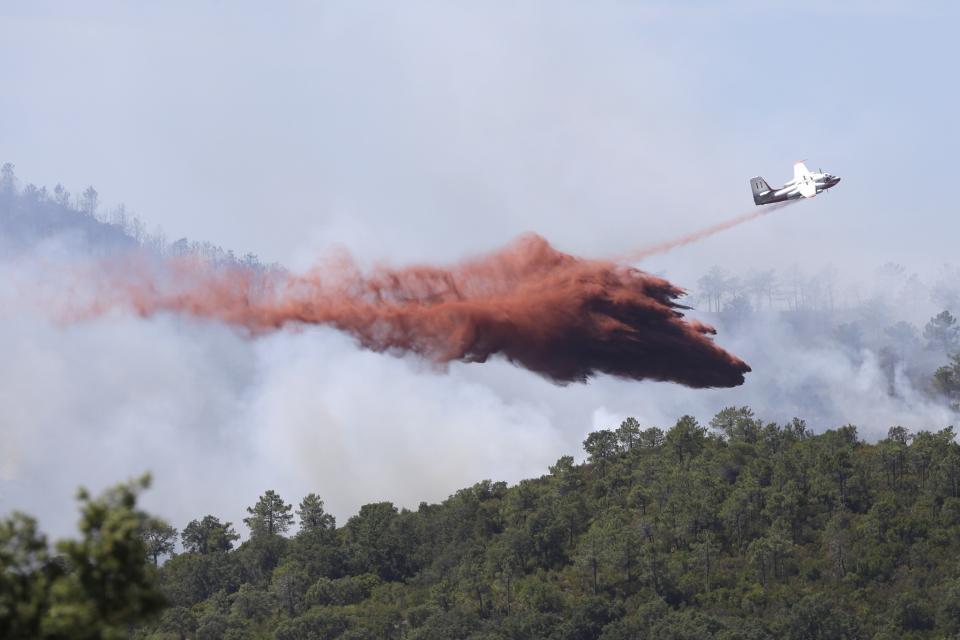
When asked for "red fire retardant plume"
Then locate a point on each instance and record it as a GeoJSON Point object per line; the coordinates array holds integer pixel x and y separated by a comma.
{"type": "Point", "coordinates": [563, 317]}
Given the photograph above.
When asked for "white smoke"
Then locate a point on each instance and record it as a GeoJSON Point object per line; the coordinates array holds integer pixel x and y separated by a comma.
{"type": "Point", "coordinates": [219, 418]}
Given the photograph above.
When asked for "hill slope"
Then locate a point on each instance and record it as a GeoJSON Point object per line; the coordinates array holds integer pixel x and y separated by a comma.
{"type": "Point", "coordinates": [742, 530]}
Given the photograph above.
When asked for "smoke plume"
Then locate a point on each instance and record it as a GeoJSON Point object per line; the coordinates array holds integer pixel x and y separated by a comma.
{"type": "Point", "coordinates": [563, 317]}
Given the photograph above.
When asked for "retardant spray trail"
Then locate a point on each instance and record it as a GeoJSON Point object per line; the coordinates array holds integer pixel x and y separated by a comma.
{"type": "Point", "coordinates": [664, 247]}
{"type": "Point", "coordinates": [564, 317]}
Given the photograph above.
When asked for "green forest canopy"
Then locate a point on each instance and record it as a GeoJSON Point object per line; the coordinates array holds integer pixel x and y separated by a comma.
{"type": "Point", "coordinates": [738, 529]}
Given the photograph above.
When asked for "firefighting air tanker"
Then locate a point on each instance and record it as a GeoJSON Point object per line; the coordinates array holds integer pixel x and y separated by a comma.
{"type": "Point", "coordinates": [805, 184]}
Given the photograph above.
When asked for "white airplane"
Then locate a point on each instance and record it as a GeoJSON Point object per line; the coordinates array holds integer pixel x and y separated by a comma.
{"type": "Point", "coordinates": [804, 185]}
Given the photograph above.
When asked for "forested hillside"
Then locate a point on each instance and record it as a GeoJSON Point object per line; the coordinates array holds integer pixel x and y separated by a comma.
{"type": "Point", "coordinates": [738, 529]}
{"type": "Point", "coordinates": [31, 215]}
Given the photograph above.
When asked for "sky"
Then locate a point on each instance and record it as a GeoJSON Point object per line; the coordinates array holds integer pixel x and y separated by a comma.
{"type": "Point", "coordinates": [430, 131]}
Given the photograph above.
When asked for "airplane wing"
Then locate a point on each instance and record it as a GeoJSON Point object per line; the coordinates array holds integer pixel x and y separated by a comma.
{"type": "Point", "coordinates": [807, 189]}
{"type": "Point", "coordinates": [800, 171]}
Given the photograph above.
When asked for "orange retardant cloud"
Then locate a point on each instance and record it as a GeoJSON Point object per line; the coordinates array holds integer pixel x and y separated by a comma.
{"type": "Point", "coordinates": [563, 317]}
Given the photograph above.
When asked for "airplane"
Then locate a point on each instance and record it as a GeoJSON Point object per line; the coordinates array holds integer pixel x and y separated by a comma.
{"type": "Point", "coordinates": [804, 185]}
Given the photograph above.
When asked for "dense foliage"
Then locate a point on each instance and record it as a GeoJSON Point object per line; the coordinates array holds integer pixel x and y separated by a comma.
{"type": "Point", "coordinates": [95, 587]}
{"type": "Point", "coordinates": [738, 529]}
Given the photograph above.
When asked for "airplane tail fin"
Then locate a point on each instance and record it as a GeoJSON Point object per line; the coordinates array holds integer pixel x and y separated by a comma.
{"type": "Point", "coordinates": [760, 189]}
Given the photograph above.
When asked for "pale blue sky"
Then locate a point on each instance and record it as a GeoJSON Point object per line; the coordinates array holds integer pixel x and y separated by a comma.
{"type": "Point", "coordinates": [424, 130]}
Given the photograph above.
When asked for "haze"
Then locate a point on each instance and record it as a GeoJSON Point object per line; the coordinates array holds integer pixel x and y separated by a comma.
{"type": "Point", "coordinates": [428, 131]}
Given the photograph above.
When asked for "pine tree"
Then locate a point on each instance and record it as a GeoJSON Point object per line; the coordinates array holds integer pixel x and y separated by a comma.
{"type": "Point", "coordinates": [312, 516]}
{"type": "Point", "coordinates": [270, 515]}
